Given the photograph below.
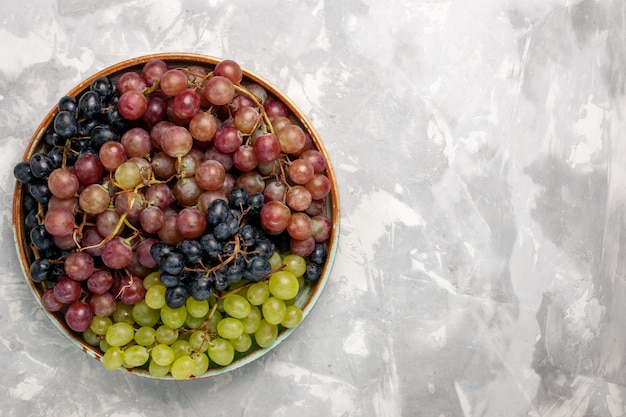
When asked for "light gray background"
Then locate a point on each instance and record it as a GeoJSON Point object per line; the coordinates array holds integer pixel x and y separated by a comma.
{"type": "Point", "coordinates": [480, 149]}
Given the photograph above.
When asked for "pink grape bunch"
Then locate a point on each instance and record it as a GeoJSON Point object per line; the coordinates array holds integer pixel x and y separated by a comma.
{"type": "Point", "coordinates": [169, 192]}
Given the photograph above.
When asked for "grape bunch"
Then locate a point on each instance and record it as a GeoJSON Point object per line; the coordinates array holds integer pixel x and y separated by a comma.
{"type": "Point", "coordinates": [174, 215]}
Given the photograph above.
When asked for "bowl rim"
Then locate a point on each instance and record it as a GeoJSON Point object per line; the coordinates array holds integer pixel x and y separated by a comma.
{"type": "Point", "coordinates": [177, 59]}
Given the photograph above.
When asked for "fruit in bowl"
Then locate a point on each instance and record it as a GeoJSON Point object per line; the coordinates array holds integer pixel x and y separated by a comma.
{"type": "Point", "coordinates": [176, 216]}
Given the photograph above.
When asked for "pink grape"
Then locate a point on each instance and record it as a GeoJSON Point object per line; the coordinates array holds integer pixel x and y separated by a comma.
{"type": "Point", "coordinates": [302, 247]}
{"type": "Point", "coordinates": [88, 168]}
{"type": "Point", "coordinates": [59, 222]}
{"type": "Point", "coordinates": [173, 82]}
{"type": "Point", "coordinates": [176, 141]}
{"type": "Point", "coordinates": [79, 266]}
{"type": "Point", "coordinates": [245, 158]}
{"type": "Point", "coordinates": [66, 290]}
{"type": "Point", "coordinates": [50, 302]}
{"type": "Point", "coordinates": [229, 69]}
{"type": "Point", "coordinates": [190, 222]}
{"type": "Point", "coordinates": [267, 147]}
{"type": "Point", "coordinates": [186, 104]}
{"type": "Point", "coordinates": [298, 198]}
{"type": "Point", "coordinates": [100, 281]}
{"type": "Point", "coordinates": [132, 104]}
{"type": "Point", "coordinates": [318, 186]}
{"type": "Point", "coordinates": [227, 139]}
{"type": "Point", "coordinates": [103, 305]}
{"type": "Point", "coordinates": [203, 126]}
{"type": "Point", "coordinates": [136, 142]}
{"type": "Point", "coordinates": [218, 90]}
{"type": "Point", "coordinates": [131, 81]}
{"type": "Point", "coordinates": [63, 183]}
{"type": "Point", "coordinates": [301, 171]}
{"type": "Point", "coordinates": [210, 175]}
{"type": "Point", "coordinates": [153, 70]}
{"type": "Point", "coordinates": [275, 217]}
{"type": "Point", "coordinates": [131, 290]}
{"type": "Point", "coordinates": [116, 253]}
{"type": "Point", "coordinates": [79, 316]}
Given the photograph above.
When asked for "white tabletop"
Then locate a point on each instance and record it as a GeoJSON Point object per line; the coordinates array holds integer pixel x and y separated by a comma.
{"type": "Point", "coordinates": [479, 148]}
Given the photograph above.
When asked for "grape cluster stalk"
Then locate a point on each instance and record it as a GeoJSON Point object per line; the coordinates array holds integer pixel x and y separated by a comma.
{"type": "Point", "coordinates": [174, 215]}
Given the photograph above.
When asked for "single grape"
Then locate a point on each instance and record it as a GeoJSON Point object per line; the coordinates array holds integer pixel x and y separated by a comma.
{"type": "Point", "coordinates": [103, 305]}
{"type": "Point", "coordinates": [274, 310]}
{"type": "Point", "coordinates": [145, 336]}
{"type": "Point", "coordinates": [79, 266]}
{"type": "Point", "coordinates": [155, 297]}
{"type": "Point", "coordinates": [218, 90]}
{"type": "Point", "coordinates": [63, 183]}
{"type": "Point", "coordinates": [293, 317]}
{"type": "Point", "coordinates": [202, 363]}
{"type": "Point", "coordinates": [120, 334]}
{"type": "Point", "coordinates": [113, 358]}
{"type": "Point", "coordinates": [136, 356]}
{"type": "Point", "coordinates": [144, 315]}
{"type": "Point", "coordinates": [221, 351]}
{"type": "Point", "coordinates": [132, 105]}
{"type": "Point", "coordinates": [236, 306]}
{"type": "Point", "coordinates": [78, 316]}
{"type": "Point", "coordinates": [183, 367]}
{"type": "Point", "coordinates": [66, 290]}
{"type": "Point", "coordinates": [162, 354]}
{"type": "Point", "coordinates": [266, 334]}
{"type": "Point", "coordinates": [173, 318]}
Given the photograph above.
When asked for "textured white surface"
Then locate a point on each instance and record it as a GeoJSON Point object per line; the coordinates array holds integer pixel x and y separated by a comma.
{"type": "Point", "coordinates": [480, 153]}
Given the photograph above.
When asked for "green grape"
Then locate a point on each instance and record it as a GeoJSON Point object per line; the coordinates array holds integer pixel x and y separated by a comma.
{"type": "Point", "coordinates": [229, 328]}
{"type": "Point", "coordinates": [284, 285]}
{"type": "Point", "coordinates": [155, 296]}
{"type": "Point", "coordinates": [293, 317]}
{"type": "Point", "coordinates": [123, 313]}
{"type": "Point", "coordinates": [157, 370]}
{"type": "Point", "coordinates": [276, 261]}
{"type": "Point", "coordinates": [202, 363]}
{"type": "Point", "coordinates": [91, 338]}
{"type": "Point", "coordinates": [99, 325]}
{"type": "Point", "coordinates": [220, 305]}
{"type": "Point", "coordinates": [104, 346]}
{"type": "Point", "coordinates": [197, 308]}
{"type": "Point", "coordinates": [295, 264]}
{"type": "Point", "coordinates": [199, 341]}
{"type": "Point", "coordinates": [113, 358]}
{"type": "Point", "coordinates": [144, 315]}
{"type": "Point", "coordinates": [212, 300]}
{"type": "Point", "coordinates": [181, 348]}
{"type": "Point", "coordinates": [274, 310]}
{"type": "Point", "coordinates": [258, 293]}
{"type": "Point", "coordinates": [192, 322]}
{"type": "Point", "coordinates": [252, 322]}
{"type": "Point", "coordinates": [266, 334]}
{"type": "Point", "coordinates": [120, 334]}
{"type": "Point", "coordinates": [166, 335]}
{"type": "Point", "coordinates": [221, 351]}
{"type": "Point", "coordinates": [145, 336]}
{"type": "Point", "coordinates": [163, 355]}
{"type": "Point", "coordinates": [152, 279]}
{"type": "Point", "coordinates": [242, 343]}
{"type": "Point", "coordinates": [136, 356]}
{"type": "Point", "coordinates": [236, 306]}
{"type": "Point", "coordinates": [173, 317]}
{"type": "Point", "coordinates": [212, 323]}
{"type": "Point", "coordinates": [183, 367]}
